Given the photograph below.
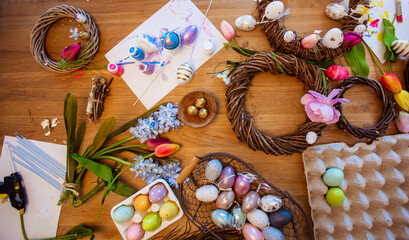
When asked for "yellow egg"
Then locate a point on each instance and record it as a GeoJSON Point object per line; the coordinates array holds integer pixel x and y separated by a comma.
{"type": "Point", "coordinates": [203, 113]}
{"type": "Point", "coordinates": [200, 102]}
{"type": "Point", "coordinates": [335, 197]}
{"type": "Point", "coordinates": [169, 210]}
{"type": "Point", "coordinates": [192, 110]}
{"type": "Point", "coordinates": [142, 203]}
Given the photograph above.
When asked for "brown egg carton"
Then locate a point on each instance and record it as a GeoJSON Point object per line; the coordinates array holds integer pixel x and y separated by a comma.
{"type": "Point", "coordinates": [376, 194]}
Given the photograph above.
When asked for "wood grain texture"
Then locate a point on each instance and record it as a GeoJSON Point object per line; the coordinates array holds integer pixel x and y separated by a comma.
{"type": "Point", "coordinates": [29, 93]}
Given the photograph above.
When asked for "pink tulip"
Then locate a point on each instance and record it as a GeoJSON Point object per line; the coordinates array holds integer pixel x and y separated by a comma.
{"type": "Point", "coordinates": [319, 108]}
{"type": "Point", "coordinates": [336, 72]}
{"type": "Point", "coordinates": [227, 30]}
{"type": "Point", "coordinates": [402, 123]}
{"type": "Point", "coordinates": [71, 52]}
{"type": "Point", "coordinates": [352, 39]}
{"type": "Point", "coordinates": [310, 41]}
{"type": "Point", "coordinates": [154, 142]}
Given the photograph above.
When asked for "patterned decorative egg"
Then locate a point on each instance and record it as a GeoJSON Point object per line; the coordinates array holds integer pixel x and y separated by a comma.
{"type": "Point", "coordinates": [207, 193]}
{"type": "Point", "coordinates": [246, 23]}
{"type": "Point", "coordinates": [274, 10]}
{"type": "Point", "coordinates": [123, 213]}
{"type": "Point", "coordinates": [250, 201]}
{"type": "Point", "coordinates": [258, 218]}
{"type": "Point", "coordinates": [170, 40]}
{"type": "Point", "coordinates": [401, 47]}
{"type": "Point", "coordinates": [336, 11]}
{"type": "Point", "coordinates": [213, 169]}
{"type": "Point", "coordinates": [81, 18]}
{"type": "Point", "coordinates": [270, 203]}
{"type": "Point", "coordinates": [84, 35]}
{"type": "Point", "coordinates": [200, 102]}
{"type": "Point", "coordinates": [184, 73]}
{"type": "Point", "coordinates": [239, 217]}
{"type": "Point", "coordinates": [157, 193]}
{"type": "Point", "coordinates": [225, 199]}
{"type": "Point", "coordinates": [360, 29]}
{"type": "Point", "coordinates": [289, 36]}
{"type": "Point", "coordinates": [333, 38]}
{"type": "Point", "coordinates": [192, 110]}
{"type": "Point", "coordinates": [203, 113]}
{"type": "Point", "coordinates": [222, 219]}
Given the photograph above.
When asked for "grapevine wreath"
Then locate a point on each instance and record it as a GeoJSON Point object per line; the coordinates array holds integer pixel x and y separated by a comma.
{"type": "Point", "coordinates": [388, 112]}
{"type": "Point", "coordinates": [275, 35]}
{"type": "Point", "coordinates": [39, 33]}
{"type": "Point", "coordinates": [242, 121]}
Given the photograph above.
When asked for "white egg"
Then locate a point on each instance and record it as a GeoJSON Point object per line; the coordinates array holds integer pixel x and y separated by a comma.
{"type": "Point", "coordinates": [213, 169]}
{"type": "Point", "coordinates": [270, 203]}
{"type": "Point", "coordinates": [184, 73]}
{"type": "Point", "coordinates": [336, 11]}
{"type": "Point", "coordinates": [311, 137]}
{"type": "Point", "coordinates": [258, 218]}
{"type": "Point", "coordinates": [274, 10]}
{"type": "Point", "coordinates": [360, 29]}
{"type": "Point", "coordinates": [289, 36]}
{"type": "Point", "coordinates": [333, 38]}
{"type": "Point", "coordinates": [401, 47]}
{"type": "Point", "coordinates": [207, 193]}
{"type": "Point", "coordinates": [246, 23]}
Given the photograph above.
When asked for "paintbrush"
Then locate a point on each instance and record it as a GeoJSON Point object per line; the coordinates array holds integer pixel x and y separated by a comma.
{"type": "Point", "coordinates": [399, 16]}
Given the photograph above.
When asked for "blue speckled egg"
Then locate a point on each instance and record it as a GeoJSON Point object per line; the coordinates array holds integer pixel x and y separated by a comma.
{"type": "Point", "coordinates": [170, 40]}
{"type": "Point", "coordinates": [272, 233]}
{"type": "Point", "coordinates": [123, 213]}
{"type": "Point", "coordinates": [333, 177]}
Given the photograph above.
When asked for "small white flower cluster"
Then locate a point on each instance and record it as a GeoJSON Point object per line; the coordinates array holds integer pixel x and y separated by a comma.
{"type": "Point", "coordinates": [161, 121]}
{"type": "Point", "coordinates": [151, 170]}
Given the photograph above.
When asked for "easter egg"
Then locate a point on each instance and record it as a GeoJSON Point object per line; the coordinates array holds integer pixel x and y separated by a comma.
{"type": "Point", "coordinates": [270, 203]}
{"type": "Point", "coordinates": [199, 103]}
{"type": "Point", "coordinates": [333, 177]}
{"type": "Point", "coordinates": [168, 210]}
{"type": "Point", "coordinates": [213, 169]}
{"type": "Point", "coordinates": [134, 232]}
{"type": "Point", "coordinates": [239, 217]}
{"type": "Point", "coordinates": [170, 40]}
{"type": "Point", "coordinates": [184, 73]}
{"type": "Point", "coordinates": [251, 232]}
{"type": "Point", "coordinates": [192, 110]}
{"type": "Point", "coordinates": [188, 34]}
{"type": "Point", "coordinates": [272, 233]}
{"type": "Point", "coordinates": [246, 23]}
{"type": "Point", "coordinates": [123, 213]}
{"type": "Point", "coordinates": [274, 10]}
{"type": "Point", "coordinates": [151, 221]}
{"type": "Point", "coordinates": [280, 218]}
{"type": "Point", "coordinates": [289, 36]}
{"type": "Point", "coordinates": [142, 203]}
{"type": "Point", "coordinates": [401, 47]}
{"type": "Point", "coordinates": [310, 41]}
{"type": "Point", "coordinates": [360, 29]}
{"type": "Point", "coordinates": [336, 11]}
{"type": "Point", "coordinates": [258, 218]}
{"type": "Point", "coordinates": [226, 179]}
{"type": "Point", "coordinates": [157, 193]}
{"type": "Point", "coordinates": [81, 18]}
{"type": "Point", "coordinates": [242, 185]}
{"type": "Point", "coordinates": [335, 197]}
{"type": "Point", "coordinates": [250, 201]}
{"type": "Point", "coordinates": [225, 199]}
{"type": "Point", "coordinates": [222, 219]}
{"type": "Point", "coordinates": [207, 193]}
{"type": "Point", "coordinates": [84, 35]}
{"type": "Point", "coordinates": [333, 38]}
{"type": "Point", "coordinates": [311, 137]}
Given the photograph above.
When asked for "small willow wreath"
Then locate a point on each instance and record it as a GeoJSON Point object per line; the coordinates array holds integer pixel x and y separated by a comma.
{"type": "Point", "coordinates": [242, 121]}
{"type": "Point", "coordinates": [39, 33]}
{"type": "Point", "coordinates": [275, 35]}
{"type": "Point", "coordinates": [386, 117]}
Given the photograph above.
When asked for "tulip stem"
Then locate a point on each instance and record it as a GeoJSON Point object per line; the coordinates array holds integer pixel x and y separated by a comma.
{"type": "Point", "coordinates": [241, 50]}
{"type": "Point", "coordinates": [390, 66]}
{"type": "Point", "coordinates": [373, 57]}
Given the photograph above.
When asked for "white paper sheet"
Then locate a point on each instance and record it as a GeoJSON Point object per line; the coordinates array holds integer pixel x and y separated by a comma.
{"type": "Point", "coordinates": [42, 212]}
{"type": "Point", "coordinates": [175, 15]}
{"type": "Point", "coordinates": [385, 9]}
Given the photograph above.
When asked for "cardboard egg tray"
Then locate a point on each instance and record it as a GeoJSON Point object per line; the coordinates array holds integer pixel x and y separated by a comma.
{"type": "Point", "coordinates": [376, 194]}
{"type": "Point", "coordinates": [138, 216]}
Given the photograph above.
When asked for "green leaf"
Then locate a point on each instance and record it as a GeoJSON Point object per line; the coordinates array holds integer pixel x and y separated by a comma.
{"type": "Point", "coordinates": [325, 64]}
{"type": "Point", "coordinates": [80, 231]}
{"type": "Point", "coordinates": [356, 60]}
{"type": "Point", "coordinates": [101, 136]}
{"type": "Point", "coordinates": [123, 190]}
{"type": "Point", "coordinates": [70, 119]}
{"type": "Point", "coordinates": [134, 121]}
{"type": "Point", "coordinates": [388, 38]}
{"type": "Point", "coordinates": [102, 171]}
{"type": "Point", "coordinates": [79, 137]}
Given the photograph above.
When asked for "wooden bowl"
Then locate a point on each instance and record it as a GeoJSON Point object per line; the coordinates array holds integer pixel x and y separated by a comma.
{"type": "Point", "coordinates": [196, 121]}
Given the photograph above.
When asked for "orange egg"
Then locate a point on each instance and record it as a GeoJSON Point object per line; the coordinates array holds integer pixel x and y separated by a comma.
{"type": "Point", "coordinates": [142, 203]}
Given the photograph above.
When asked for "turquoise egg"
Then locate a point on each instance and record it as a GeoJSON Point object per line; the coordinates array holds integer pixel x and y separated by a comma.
{"type": "Point", "coordinates": [170, 40]}
{"type": "Point", "coordinates": [123, 213]}
{"type": "Point", "coordinates": [333, 177]}
{"type": "Point", "coordinates": [223, 219]}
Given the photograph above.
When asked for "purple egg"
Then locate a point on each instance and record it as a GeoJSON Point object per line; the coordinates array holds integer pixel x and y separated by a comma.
{"type": "Point", "coordinates": [242, 185]}
{"type": "Point", "coordinates": [250, 232]}
{"type": "Point", "coordinates": [157, 193]}
{"type": "Point", "coordinates": [226, 179]}
{"type": "Point", "coordinates": [188, 35]}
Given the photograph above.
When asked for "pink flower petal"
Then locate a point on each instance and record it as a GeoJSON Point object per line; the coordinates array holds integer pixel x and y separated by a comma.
{"type": "Point", "coordinates": [333, 93]}
{"type": "Point", "coordinates": [311, 115]}
{"type": "Point", "coordinates": [307, 98]}
{"type": "Point", "coordinates": [318, 96]}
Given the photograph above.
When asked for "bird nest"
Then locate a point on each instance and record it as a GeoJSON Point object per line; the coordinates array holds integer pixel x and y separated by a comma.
{"type": "Point", "coordinates": [242, 122]}
{"type": "Point", "coordinates": [388, 112]}
{"type": "Point", "coordinates": [275, 35]}
{"type": "Point", "coordinates": [199, 213]}
{"type": "Point", "coordinates": [39, 33]}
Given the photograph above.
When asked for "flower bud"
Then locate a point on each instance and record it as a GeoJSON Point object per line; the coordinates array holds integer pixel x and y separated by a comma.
{"type": "Point", "coordinates": [402, 98]}
{"type": "Point", "coordinates": [227, 30]}
{"type": "Point", "coordinates": [402, 123]}
{"type": "Point", "coordinates": [310, 41]}
{"type": "Point", "coordinates": [336, 72]}
{"type": "Point", "coordinates": [391, 82]}
{"type": "Point", "coordinates": [352, 39]}
{"type": "Point", "coordinates": [71, 52]}
{"type": "Point", "coordinates": [154, 142]}
{"type": "Point", "coordinates": [166, 149]}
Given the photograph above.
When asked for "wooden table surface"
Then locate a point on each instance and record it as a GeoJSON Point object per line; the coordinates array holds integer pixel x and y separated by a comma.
{"type": "Point", "coordinates": [29, 93]}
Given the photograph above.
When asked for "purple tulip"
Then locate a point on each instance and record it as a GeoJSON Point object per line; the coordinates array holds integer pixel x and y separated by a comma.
{"type": "Point", "coordinates": [352, 39]}
{"type": "Point", "coordinates": [70, 53]}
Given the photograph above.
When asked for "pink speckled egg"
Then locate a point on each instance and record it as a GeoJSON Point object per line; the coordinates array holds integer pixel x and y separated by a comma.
{"type": "Point", "coordinates": [135, 232]}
